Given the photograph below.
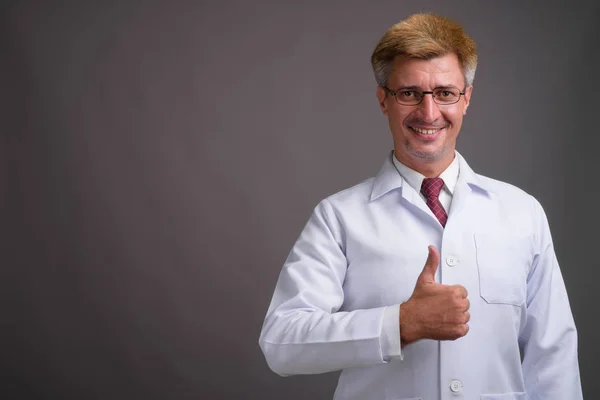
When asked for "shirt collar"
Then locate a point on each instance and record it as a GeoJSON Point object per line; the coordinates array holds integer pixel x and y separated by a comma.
{"type": "Point", "coordinates": [389, 179]}
{"type": "Point", "coordinates": [415, 179]}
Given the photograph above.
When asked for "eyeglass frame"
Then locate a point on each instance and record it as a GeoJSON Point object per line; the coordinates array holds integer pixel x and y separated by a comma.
{"type": "Point", "coordinates": [393, 93]}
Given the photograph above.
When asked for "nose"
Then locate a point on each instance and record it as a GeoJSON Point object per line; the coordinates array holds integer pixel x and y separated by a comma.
{"type": "Point", "coordinates": [428, 110]}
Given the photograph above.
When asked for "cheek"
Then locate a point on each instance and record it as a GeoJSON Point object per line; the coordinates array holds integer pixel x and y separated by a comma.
{"type": "Point", "coordinates": [398, 117]}
{"type": "Point", "coordinates": [455, 117]}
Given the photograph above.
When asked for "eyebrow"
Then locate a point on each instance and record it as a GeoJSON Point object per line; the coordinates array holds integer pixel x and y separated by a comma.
{"type": "Point", "coordinates": [418, 88]}
{"type": "Point", "coordinates": [409, 88]}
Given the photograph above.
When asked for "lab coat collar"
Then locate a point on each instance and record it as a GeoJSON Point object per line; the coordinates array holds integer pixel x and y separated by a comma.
{"type": "Point", "coordinates": [389, 179]}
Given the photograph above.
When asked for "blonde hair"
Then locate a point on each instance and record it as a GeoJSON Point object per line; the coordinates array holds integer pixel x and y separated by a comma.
{"type": "Point", "coordinates": [424, 36]}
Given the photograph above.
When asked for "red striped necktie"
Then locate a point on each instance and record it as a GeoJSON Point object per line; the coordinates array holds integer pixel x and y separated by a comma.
{"type": "Point", "coordinates": [431, 188]}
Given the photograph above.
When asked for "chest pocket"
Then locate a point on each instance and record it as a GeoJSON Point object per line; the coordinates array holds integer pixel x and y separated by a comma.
{"type": "Point", "coordinates": [503, 263]}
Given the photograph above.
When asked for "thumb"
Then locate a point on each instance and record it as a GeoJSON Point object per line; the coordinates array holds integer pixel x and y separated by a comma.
{"type": "Point", "coordinates": [431, 266]}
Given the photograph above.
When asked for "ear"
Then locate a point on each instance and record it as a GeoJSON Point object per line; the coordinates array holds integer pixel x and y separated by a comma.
{"type": "Point", "coordinates": [468, 93]}
{"type": "Point", "coordinates": [382, 98]}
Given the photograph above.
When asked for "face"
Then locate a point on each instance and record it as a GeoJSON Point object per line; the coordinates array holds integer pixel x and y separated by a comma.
{"type": "Point", "coordinates": [425, 135]}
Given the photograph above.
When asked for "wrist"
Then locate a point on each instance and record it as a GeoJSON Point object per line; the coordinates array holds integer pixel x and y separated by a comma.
{"type": "Point", "coordinates": [408, 329]}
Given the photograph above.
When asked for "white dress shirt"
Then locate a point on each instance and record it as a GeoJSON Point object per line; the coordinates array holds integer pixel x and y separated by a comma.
{"type": "Point", "coordinates": [360, 254]}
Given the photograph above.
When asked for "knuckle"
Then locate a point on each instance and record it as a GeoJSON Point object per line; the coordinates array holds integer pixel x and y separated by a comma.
{"type": "Point", "coordinates": [460, 331]}
{"type": "Point", "coordinates": [463, 305]}
{"type": "Point", "coordinates": [464, 291]}
{"type": "Point", "coordinates": [459, 291]}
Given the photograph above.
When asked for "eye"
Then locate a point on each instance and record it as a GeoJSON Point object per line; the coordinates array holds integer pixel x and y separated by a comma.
{"type": "Point", "coordinates": [407, 94]}
{"type": "Point", "coordinates": [446, 95]}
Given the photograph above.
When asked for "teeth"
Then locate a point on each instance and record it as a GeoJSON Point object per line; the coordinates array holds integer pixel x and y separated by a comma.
{"type": "Point", "coordinates": [425, 131]}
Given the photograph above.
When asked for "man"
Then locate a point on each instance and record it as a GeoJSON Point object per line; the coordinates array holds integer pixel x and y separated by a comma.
{"type": "Point", "coordinates": [427, 281]}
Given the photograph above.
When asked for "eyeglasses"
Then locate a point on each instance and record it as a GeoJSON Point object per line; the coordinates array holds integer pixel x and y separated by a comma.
{"type": "Point", "coordinates": [413, 96]}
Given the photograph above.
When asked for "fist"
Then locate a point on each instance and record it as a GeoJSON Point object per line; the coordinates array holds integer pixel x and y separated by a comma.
{"type": "Point", "coordinates": [434, 311]}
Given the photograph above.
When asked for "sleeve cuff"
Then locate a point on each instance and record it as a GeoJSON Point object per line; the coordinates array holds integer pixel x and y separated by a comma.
{"type": "Point", "coordinates": [390, 334]}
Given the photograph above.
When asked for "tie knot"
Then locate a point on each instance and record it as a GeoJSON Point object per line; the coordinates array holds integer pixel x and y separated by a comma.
{"type": "Point", "coordinates": [431, 187]}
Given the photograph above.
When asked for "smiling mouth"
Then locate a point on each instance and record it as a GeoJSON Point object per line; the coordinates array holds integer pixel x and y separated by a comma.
{"type": "Point", "coordinates": [425, 131]}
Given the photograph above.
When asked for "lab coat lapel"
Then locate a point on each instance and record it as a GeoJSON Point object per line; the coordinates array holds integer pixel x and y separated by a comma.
{"type": "Point", "coordinates": [411, 196]}
{"type": "Point", "coordinates": [389, 179]}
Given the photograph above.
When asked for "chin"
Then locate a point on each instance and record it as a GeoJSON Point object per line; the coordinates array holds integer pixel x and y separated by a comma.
{"type": "Point", "coordinates": [425, 154]}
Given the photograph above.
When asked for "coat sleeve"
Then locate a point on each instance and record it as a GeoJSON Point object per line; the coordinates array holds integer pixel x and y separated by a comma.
{"type": "Point", "coordinates": [549, 337]}
{"type": "Point", "coordinates": [304, 332]}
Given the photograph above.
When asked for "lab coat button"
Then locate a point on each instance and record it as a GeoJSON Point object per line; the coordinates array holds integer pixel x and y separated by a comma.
{"type": "Point", "coordinates": [451, 261]}
{"type": "Point", "coordinates": [455, 386]}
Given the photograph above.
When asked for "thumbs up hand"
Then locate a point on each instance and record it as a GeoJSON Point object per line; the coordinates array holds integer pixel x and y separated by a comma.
{"type": "Point", "coordinates": [434, 311]}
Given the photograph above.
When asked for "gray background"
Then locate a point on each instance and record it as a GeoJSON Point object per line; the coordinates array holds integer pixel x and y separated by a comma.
{"type": "Point", "coordinates": [159, 159]}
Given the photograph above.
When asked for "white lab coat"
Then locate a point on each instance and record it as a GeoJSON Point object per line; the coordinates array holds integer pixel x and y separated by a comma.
{"type": "Point", "coordinates": [362, 250]}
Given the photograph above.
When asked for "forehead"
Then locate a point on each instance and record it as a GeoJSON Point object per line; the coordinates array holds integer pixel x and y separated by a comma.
{"type": "Point", "coordinates": [427, 74]}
